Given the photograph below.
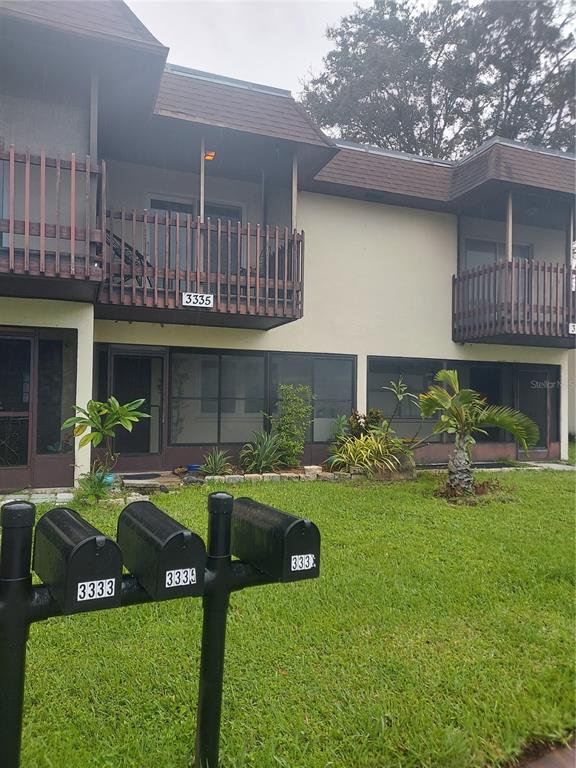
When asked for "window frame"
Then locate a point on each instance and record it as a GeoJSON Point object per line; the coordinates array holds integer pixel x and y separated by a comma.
{"type": "Point", "coordinates": [267, 398]}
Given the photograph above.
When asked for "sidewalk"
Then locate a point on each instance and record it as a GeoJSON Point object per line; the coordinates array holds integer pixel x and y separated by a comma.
{"type": "Point", "coordinates": [562, 757]}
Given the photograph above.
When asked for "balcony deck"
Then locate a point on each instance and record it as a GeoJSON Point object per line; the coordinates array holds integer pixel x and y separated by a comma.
{"type": "Point", "coordinates": [518, 302]}
{"type": "Point", "coordinates": [252, 275]}
{"type": "Point", "coordinates": [59, 241]}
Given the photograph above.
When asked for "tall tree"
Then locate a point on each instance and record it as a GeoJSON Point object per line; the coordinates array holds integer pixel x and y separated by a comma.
{"type": "Point", "coordinates": [440, 80]}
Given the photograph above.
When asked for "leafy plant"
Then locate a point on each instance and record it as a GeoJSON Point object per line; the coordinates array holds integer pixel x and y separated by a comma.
{"type": "Point", "coordinates": [291, 423]}
{"type": "Point", "coordinates": [465, 413]}
{"type": "Point", "coordinates": [363, 423]}
{"type": "Point", "coordinates": [98, 422]}
{"type": "Point", "coordinates": [340, 429]}
{"type": "Point", "coordinates": [92, 487]}
{"type": "Point", "coordinates": [262, 454]}
{"type": "Point", "coordinates": [368, 452]}
{"type": "Point", "coordinates": [217, 462]}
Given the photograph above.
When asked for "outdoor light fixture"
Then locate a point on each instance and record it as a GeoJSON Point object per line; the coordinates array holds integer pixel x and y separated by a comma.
{"type": "Point", "coordinates": [210, 154]}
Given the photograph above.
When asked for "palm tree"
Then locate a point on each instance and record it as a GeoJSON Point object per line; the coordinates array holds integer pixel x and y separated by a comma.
{"type": "Point", "coordinates": [465, 413]}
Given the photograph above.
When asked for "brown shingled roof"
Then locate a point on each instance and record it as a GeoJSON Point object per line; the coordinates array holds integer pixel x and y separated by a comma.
{"type": "Point", "coordinates": [203, 98]}
{"type": "Point", "coordinates": [111, 19]}
{"type": "Point", "coordinates": [409, 176]}
{"type": "Point", "coordinates": [387, 173]}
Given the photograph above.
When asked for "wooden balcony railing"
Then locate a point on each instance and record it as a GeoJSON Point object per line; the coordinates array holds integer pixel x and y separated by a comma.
{"type": "Point", "coordinates": [530, 299]}
{"type": "Point", "coordinates": [152, 259]}
{"type": "Point", "coordinates": [49, 225]}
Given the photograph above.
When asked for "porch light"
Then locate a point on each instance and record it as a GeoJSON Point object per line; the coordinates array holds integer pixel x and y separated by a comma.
{"type": "Point", "coordinates": [210, 154]}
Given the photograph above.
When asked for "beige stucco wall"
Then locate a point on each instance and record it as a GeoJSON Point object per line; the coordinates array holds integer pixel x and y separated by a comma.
{"type": "Point", "coordinates": [41, 313]}
{"type": "Point", "coordinates": [377, 282]}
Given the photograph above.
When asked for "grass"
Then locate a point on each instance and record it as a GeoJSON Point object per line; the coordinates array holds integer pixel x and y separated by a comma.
{"type": "Point", "coordinates": [572, 453]}
{"type": "Point", "coordinates": [438, 636]}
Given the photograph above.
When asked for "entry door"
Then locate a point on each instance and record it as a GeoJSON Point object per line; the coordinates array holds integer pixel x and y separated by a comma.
{"type": "Point", "coordinates": [16, 426]}
{"type": "Point", "coordinates": [534, 394]}
{"type": "Point", "coordinates": [134, 376]}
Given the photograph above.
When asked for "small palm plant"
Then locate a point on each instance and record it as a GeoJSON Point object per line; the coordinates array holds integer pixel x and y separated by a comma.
{"type": "Point", "coordinates": [465, 413]}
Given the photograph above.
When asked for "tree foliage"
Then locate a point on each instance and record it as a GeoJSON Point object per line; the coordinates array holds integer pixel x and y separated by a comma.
{"type": "Point", "coordinates": [440, 80]}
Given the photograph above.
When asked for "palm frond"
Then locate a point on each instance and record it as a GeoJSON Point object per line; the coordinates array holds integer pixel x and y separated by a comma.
{"type": "Point", "coordinates": [450, 378]}
{"type": "Point", "coordinates": [517, 424]}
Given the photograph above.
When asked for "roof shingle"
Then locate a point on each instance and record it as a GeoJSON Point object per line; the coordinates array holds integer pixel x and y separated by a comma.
{"type": "Point", "coordinates": [110, 19]}
{"type": "Point", "coordinates": [268, 112]}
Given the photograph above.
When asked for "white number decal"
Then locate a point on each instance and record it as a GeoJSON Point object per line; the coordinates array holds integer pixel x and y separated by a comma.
{"type": "Point", "coordinates": [302, 562]}
{"type": "Point", "coordinates": [198, 300]}
{"type": "Point", "coordinates": [95, 590]}
{"type": "Point", "coordinates": [181, 577]}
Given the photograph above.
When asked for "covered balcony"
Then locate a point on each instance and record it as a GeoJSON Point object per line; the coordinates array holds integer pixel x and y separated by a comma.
{"type": "Point", "coordinates": [78, 230]}
{"type": "Point", "coordinates": [516, 282]}
{"type": "Point", "coordinates": [51, 230]}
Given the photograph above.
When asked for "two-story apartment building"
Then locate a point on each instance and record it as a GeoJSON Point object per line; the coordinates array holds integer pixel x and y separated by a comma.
{"type": "Point", "coordinates": [196, 240]}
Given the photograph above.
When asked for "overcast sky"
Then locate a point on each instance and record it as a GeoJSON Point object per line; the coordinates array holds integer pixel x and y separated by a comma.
{"type": "Point", "coordinates": [273, 42]}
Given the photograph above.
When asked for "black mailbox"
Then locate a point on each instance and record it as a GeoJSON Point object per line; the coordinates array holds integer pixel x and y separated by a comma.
{"type": "Point", "coordinates": [281, 545]}
{"type": "Point", "coordinates": [167, 559]}
{"type": "Point", "coordinates": [81, 566]}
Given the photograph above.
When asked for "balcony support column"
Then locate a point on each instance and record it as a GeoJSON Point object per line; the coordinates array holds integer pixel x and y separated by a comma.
{"type": "Point", "coordinates": [202, 191]}
{"type": "Point", "coordinates": [509, 227]}
{"type": "Point", "coordinates": [294, 191]}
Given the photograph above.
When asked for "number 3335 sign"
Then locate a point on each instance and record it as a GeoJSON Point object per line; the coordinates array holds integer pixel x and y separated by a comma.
{"type": "Point", "coordinates": [204, 300]}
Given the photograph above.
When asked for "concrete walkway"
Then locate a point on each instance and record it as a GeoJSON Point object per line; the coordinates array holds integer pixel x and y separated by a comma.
{"type": "Point", "coordinates": [562, 757]}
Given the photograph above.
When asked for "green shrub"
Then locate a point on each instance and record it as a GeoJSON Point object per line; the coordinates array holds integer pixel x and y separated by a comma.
{"type": "Point", "coordinates": [92, 487]}
{"type": "Point", "coordinates": [217, 463]}
{"type": "Point", "coordinates": [292, 422]}
{"type": "Point", "coordinates": [362, 423]}
{"type": "Point", "coordinates": [370, 453]}
{"type": "Point", "coordinates": [262, 454]}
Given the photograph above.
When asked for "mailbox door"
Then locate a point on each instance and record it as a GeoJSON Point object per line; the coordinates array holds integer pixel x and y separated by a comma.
{"type": "Point", "coordinates": [302, 551]}
{"type": "Point", "coordinates": [93, 576]}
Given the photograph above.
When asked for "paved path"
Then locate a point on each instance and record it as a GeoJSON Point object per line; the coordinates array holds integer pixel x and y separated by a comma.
{"type": "Point", "coordinates": [558, 758]}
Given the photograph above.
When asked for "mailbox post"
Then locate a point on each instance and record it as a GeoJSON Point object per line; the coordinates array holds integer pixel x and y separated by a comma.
{"type": "Point", "coordinates": [17, 522]}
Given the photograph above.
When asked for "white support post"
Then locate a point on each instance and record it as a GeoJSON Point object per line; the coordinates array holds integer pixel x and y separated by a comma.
{"type": "Point", "coordinates": [202, 195]}
{"type": "Point", "coordinates": [509, 228]}
{"type": "Point", "coordinates": [294, 191]}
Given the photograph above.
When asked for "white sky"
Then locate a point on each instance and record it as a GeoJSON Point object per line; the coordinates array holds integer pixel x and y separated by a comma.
{"type": "Point", "coordinates": [273, 42]}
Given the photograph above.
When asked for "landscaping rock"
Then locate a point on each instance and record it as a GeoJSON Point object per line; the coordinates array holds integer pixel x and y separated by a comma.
{"type": "Point", "coordinates": [270, 476]}
{"type": "Point", "coordinates": [193, 480]}
{"type": "Point", "coordinates": [252, 476]}
{"type": "Point", "coordinates": [65, 496]}
{"type": "Point", "coordinates": [233, 478]}
{"type": "Point", "coordinates": [137, 497]}
{"type": "Point", "coordinates": [312, 469]}
{"type": "Point", "coordinates": [290, 476]}
{"type": "Point", "coordinates": [327, 476]}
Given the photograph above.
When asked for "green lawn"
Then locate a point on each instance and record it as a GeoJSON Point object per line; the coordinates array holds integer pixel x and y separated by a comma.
{"type": "Point", "coordinates": [437, 636]}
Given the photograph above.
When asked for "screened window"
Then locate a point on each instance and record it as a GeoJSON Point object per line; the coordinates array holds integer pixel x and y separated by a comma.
{"type": "Point", "coordinates": [56, 390]}
{"type": "Point", "coordinates": [216, 397]}
{"type": "Point", "coordinates": [331, 380]}
{"type": "Point", "coordinates": [417, 375]}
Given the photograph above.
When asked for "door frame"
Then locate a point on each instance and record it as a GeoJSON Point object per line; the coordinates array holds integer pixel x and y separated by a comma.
{"type": "Point", "coordinates": [22, 476]}
{"type": "Point", "coordinates": [143, 462]}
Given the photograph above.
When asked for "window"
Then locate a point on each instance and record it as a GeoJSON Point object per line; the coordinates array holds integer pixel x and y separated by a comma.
{"type": "Point", "coordinates": [56, 390]}
{"type": "Point", "coordinates": [216, 397]}
{"type": "Point", "coordinates": [331, 380]}
{"type": "Point", "coordinates": [481, 252]}
{"type": "Point", "coordinates": [417, 374]}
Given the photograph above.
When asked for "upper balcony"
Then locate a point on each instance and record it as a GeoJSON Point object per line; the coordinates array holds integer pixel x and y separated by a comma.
{"type": "Point", "coordinates": [49, 228]}
{"type": "Point", "coordinates": [516, 282]}
{"type": "Point", "coordinates": [180, 259]}
{"type": "Point", "coordinates": [517, 302]}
